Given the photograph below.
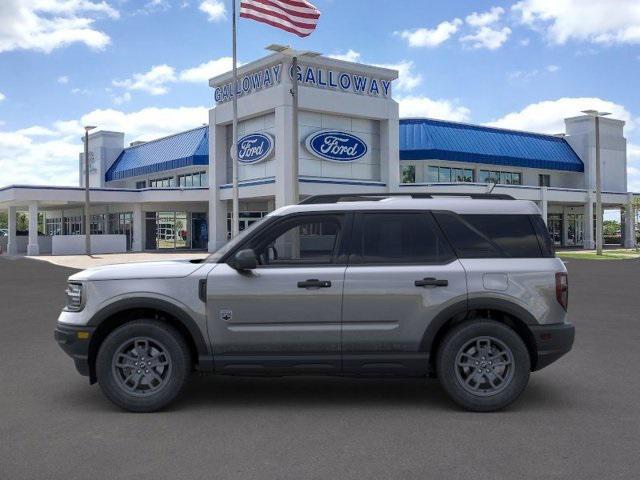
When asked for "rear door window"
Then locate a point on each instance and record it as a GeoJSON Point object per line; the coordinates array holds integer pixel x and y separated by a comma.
{"type": "Point", "coordinates": [491, 236]}
{"type": "Point", "coordinates": [398, 238]}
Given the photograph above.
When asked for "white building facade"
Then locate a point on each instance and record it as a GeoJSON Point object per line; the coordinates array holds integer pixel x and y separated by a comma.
{"type": "Point", "coordinates": [175, 193]}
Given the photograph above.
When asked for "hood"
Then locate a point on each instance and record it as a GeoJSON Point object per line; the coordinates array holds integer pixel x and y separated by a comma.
{"type": "Point", "coordinates": [141, 270]}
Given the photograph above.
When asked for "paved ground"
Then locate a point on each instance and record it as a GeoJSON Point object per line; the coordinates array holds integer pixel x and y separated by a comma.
{"type": "Point", "coordinates": [578, 419]}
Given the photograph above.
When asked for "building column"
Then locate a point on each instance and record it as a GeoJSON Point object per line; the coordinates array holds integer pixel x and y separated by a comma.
{"type": "Point", "coordinates": [218, 209]}
{"type": "Point", "coordinates": [589, 241]}
{"type": "Point", "coordinates": [12, 245]}
{"type": "Point", "coordinates": [629, 223]}
{"type": "Point", "coordinates": [32, 247]}
{"type": "Point", "coordinates": [542, 204]}
{"type": "Point", "coordinates": [390, 152]}
{"type": "Point", "coordinates": [138, 219]}
{"type": "Point", "coordinates": [284, 157]}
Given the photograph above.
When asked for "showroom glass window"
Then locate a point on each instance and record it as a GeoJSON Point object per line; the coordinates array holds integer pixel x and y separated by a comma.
{"type": "Point", "coordinates": [447, 174]}
{"type": "Point", "coordinates": [504, 178]}
{"type": "Point", "coordinates": [408, 174]}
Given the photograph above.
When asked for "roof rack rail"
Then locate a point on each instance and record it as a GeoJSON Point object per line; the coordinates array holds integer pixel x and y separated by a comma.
{"type": "Point", "coordinates": [372, 197]}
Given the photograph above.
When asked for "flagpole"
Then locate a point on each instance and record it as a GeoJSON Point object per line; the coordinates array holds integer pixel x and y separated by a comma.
{"type": "Point", "coordinates": [294, 132]}
{"type": "Point", "coordinates": [235, 221]}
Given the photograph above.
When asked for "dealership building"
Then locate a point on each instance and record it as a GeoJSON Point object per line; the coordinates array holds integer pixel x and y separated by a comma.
{"type": "Point", "coordinates": [175, 193]}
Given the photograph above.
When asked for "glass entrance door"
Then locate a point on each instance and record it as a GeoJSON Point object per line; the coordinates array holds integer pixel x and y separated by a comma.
{"type": "Point", "coordinates": [245, 220]}
{"type": "Point", "coordinates": [554, 225]}
{"type": "Point", "coordinates": [575, 229]}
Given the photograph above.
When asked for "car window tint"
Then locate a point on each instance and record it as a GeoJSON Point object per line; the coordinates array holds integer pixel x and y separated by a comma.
{"type": "Point", "coordinates": [544, 237]}
{"type": "Point", "coordinates": [399, 238]}
{"type": "Point", "coordinates": [514, 234]}
{"type": "Point", "coordinates": [301, 241]}
{"type": "Point", "coordinates": [467, 240]}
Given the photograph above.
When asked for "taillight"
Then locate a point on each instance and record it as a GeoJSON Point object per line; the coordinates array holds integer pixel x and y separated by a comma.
{"type": "Point", "coordinates": [562, 289]}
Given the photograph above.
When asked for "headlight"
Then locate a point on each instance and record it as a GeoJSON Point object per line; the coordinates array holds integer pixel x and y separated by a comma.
{"type": "Point", "coordinates": [74, 297]}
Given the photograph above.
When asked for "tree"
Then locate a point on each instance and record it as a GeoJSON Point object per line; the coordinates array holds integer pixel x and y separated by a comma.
{"type": "Point", "coordinates": [610, 228]}
{"type": "Point", "coordinates": [22, 223]}
{"type": "Point", "coordinates": [3, 220]}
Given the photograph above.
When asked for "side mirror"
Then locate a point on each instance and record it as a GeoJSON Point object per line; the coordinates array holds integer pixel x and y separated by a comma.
{"type": "Point", "coordinates": [244, 260]}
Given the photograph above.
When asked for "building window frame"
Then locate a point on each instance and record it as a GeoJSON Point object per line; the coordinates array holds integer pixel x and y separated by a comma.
{"type": "Point", "coordinates": [193, 180]}
{"type": "Point", "coordinates": [544, 180]}
{"type": "Point", "coordinates": [165, 182]}
{"type": "Point", "coordinates": [501, 177]}
{"type": "Point", "coordinates": [446, 174]}
{"type": "Point", "coordinates": [408, 174]}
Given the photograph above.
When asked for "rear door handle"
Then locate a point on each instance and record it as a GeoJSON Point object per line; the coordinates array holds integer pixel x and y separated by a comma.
{"type": "Point", "coordinates": [431, 282]}
{"type": "Point", "coordinates": [314, 283]}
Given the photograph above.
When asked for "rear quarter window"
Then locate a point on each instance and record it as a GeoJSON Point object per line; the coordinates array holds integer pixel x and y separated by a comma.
{"type": "Point", "coordinates": [491, 236]}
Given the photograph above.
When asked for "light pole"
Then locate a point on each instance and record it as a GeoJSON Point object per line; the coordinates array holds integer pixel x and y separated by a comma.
{"type": "Point", "coordinates": [596, 114]}
{"type": "Point", "coordinates": [295, 145]}
{"type": "Point", "coordinates": [87, 216]}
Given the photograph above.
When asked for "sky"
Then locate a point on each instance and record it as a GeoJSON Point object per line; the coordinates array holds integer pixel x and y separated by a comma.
{"type": "Point", "coordinates": [141, 66]}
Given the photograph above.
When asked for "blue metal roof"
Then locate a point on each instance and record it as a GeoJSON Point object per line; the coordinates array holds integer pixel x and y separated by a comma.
{"type": "Point", "coordinates": [176, 151]}
{"type": "Point", "coordinates": [427, 139]}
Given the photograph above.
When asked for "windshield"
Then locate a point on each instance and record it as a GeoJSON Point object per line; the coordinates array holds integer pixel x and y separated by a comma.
{"type": "Point", "coordinates": [231, 244]}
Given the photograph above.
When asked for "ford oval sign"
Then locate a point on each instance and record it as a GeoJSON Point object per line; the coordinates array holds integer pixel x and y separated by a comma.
{"type": "Point", "coordinates": [336, 146]}
{"type": "Point", "coordinates": [255, 147]}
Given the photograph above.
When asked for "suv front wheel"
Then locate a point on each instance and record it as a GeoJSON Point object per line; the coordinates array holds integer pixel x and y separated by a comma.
{"type": "Point", "coordinates": [143, 365]}
{"type": "Point", "coordinates": [483, 365]}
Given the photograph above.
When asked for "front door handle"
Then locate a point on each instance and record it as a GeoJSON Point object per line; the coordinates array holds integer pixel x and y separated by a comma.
{"type": "Point", "coordinates": [314, 283]}
{"type": "Point", "coordinates": [431, 282]}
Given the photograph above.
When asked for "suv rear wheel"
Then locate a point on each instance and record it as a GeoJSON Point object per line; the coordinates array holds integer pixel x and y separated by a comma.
{"type": "Point", "coordinates": [483, 365]}
{"type": "Point", "coordinates": [143, 365]}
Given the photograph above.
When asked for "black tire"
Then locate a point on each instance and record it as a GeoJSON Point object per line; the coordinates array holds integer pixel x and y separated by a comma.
{"type": "Point", "coordinates": [135, 390]}
{"type": "Point", "coordinates": [458, 365]}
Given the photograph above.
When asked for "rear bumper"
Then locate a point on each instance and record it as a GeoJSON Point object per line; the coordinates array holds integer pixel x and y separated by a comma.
{"type": "Point", "coordinates": [552, 342]}
{"type": "Point", "coordinates": [74, 340]}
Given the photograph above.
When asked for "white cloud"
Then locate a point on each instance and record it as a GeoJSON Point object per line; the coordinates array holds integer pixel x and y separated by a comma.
{"type": "Point", "coordinates": [526, 75]}
{"type": "Point", "coordinates": [203, 72]}
{"type": "Point", "coordinates": [548, 116]}
{"type": "Point", "coordinates": [36, 131]}
{"type": "Point", "coordinates": [420, 106]}
{"type": "Point", "coordinates": [349, 56]}
{"type": "Point", "coordinates": [2, 96]}
{"type": "Point", "coordinates": [48, 155]}
{"type": "Point", "coordinates": [157, 80]}
{"type": "Point", "coordinates": [486, 18]}
{"type": "Point", "coordinates": [523, 75]}
{"type": "Point", "coordinates": [424, 37]}
{"type": "Point", "coordinates": [595, 21]}
{"type": "Point", "coordinates": [407, 78]}
{"type": "Point", "coordinates": [487, 37]}
{"type": "Point", "coordinates": [633, 167]}
{"type": "Point", "coordinates": [154, 81]}
{"type": "Point", "coordinates": [525, 42]}
{"type": "Point", "coordinates": [45, 25]}
{"type": "Point", "coordinates": [120, 99]}
{"type": "Point", "coordinates": [63, 79]}
{"type": "Point", "coordinates": [214, 9]}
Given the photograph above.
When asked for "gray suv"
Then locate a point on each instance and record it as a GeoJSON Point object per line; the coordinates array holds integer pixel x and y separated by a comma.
{"type": "Point", "coordinates": [465, 288]}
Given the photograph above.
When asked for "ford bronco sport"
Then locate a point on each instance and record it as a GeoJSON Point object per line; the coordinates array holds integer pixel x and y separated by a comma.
{"type": "Point", "coordinates": [465, 288]}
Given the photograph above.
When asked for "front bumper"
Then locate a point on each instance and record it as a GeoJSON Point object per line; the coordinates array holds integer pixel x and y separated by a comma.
{"type": "Point", "coordinates": [552, 342]}
{"type": "Point", "coordinates": [75, 340]}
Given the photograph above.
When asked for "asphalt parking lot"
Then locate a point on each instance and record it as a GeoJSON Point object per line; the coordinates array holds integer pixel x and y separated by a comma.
{"type": "Point", "coordinates": [579, 418]}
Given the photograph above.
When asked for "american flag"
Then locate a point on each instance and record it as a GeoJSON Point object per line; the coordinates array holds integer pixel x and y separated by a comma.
{"type": "Point", "coordinates": [294, 16]}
